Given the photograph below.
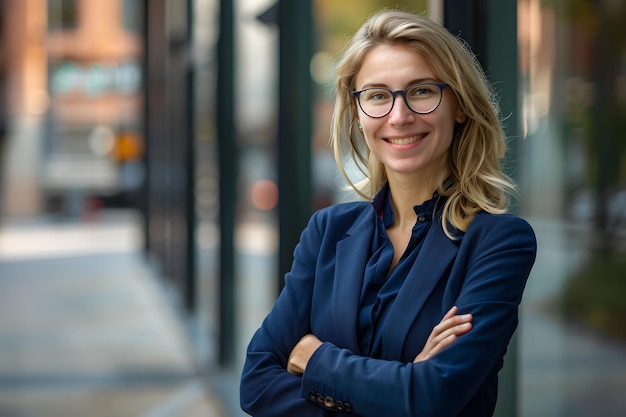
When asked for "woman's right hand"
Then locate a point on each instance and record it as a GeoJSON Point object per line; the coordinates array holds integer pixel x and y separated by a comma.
{"type": "Point", "coordinates": [445, 333]}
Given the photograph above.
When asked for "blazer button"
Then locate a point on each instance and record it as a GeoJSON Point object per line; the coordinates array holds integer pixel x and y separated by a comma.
{"type": "Point", "coordinates": [329, 402]}
{"type": "Point", "coordinates": [319, 398]}
{"type": "Point", "coordinates": [339, 406]}
{"type": "Point", "coordinates": [312, 396]}
{"type": "Point", "coordinates": [347, 407]}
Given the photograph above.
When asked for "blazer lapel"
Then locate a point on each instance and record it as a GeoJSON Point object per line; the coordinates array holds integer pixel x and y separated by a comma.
{"type": "Point", "coordinates": [429, 268]}
{"type": "Point", "coordinates": [352, 256]}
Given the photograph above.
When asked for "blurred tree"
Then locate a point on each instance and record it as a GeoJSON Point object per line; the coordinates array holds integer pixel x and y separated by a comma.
{"type": "Point", "coordinates": [337, 20]}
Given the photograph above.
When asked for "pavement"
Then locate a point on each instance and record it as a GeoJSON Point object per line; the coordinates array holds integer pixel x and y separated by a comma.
{"type": "Point", "coordinates": [87, 327]}
{"type": "Point", "coordinates": [565, 369]}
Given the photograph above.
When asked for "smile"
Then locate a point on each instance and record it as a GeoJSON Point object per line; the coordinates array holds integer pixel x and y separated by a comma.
{"type": "Point", "coordinates": [405, 141]}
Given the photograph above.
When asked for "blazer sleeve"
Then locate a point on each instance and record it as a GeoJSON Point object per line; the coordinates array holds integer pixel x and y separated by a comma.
{"type": "Point", "coordinates": [266, 388]}
{"type": "Point", "coordinates": [491, 277]}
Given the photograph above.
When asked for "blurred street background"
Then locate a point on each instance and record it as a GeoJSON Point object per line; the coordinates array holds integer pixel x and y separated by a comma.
{"type": "Point", "coordinates": [144, 145]}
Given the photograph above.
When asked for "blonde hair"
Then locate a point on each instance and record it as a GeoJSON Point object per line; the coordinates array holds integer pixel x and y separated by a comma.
{"type": "Point", "coordinates": [475, 181]}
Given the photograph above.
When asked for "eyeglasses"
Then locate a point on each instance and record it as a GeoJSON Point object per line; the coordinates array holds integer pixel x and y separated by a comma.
{"type": "Point", "coordinates": [421, 98]}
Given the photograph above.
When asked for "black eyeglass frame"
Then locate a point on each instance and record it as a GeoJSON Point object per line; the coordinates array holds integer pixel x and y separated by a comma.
{"type": "Point", "coordinates": [402, 93]}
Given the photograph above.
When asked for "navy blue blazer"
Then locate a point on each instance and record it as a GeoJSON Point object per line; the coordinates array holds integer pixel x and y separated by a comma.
{"type": "Point", "coordinates": [483, 272]}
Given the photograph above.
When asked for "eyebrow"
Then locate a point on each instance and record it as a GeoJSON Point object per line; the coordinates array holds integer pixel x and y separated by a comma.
{"type": "Point", "coordinates": [410, 83]}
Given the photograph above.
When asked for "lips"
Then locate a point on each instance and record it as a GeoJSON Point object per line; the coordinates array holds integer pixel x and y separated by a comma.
{"type": "Point", "coordinates": [405, 141]}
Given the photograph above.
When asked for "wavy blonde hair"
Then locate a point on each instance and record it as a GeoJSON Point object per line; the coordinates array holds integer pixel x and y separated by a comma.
{"type": "Point", "coordinates": [475, 181]}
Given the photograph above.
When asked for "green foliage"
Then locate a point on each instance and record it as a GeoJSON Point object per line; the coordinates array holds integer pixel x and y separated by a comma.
{"type": "Point", "coordinates": [338, 20]}
{"type": "Point", "coordinates": [608, 16]}
{"type": "Point", "coordinates": [574, 11]}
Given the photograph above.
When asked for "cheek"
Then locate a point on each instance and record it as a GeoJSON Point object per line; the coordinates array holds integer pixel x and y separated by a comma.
{"type": "Point", "coordinates": [372, 144]}
{"type": "Point", "coordinates": [363, 127]}
{"type": "Point", "coordinates": [368, 141]}
{"type": "Point", "coordinates": [370, 132]}
{"type": "Point", "coordinates": [449, 122]}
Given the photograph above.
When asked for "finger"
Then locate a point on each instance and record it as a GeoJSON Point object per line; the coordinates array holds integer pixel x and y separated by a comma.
{"type": "Point", "coordinates": [456, 329]}
{"type": "Point", "coordinates": [444, 343]}
{"type": "Point", "coordinates": [446, 339]}
{"type": "Point", "coordinates": [431, 351]}
{"type": "Point", "coordinates": [450, 322]}
{"type": "Point", "coordinates": [450, 313]}
{"type": "Point", "coordinates": [444, 334]}
{"type": "Point", "coordinates": [456, 320]}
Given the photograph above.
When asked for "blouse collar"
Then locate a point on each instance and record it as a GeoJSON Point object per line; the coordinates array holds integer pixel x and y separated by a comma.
{"type": "Point", "coordinates": [384, 208]}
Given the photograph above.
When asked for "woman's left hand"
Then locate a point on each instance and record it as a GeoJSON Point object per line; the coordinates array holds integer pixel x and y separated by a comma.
{"type": "Point", "coordinates": [301, 353]}
{"type": "Point", "coordinates": [445, 333]}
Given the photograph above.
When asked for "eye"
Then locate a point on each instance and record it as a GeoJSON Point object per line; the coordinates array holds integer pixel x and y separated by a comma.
{"type": "Point", "coordinates": [377, 95]}
{"type": "Point", "coordinates": [422, 90]}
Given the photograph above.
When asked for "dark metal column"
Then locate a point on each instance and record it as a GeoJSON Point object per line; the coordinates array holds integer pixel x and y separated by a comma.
{"type": "Point", "coordinates": [144, 204]}
{"type": "Point", "coordinates": [490, 27]}
{"type": "Point", "coordinates": [168, 193]}
{"type": "Point", "coordinates": [190, 173]}
{"type": "Point", "coordinates": [227, 152]}
{"type": "Point", "coordinates": [294, 131]}
{"type": "Point", "coordinates": [154, 127]}
{"type": "Point", "coordinates": [180, 265]}
{"type": "Point", "coordinates": [502, 63]}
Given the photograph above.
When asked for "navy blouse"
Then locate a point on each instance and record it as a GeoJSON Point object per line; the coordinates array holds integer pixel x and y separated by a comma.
{"type": "Point", "coordinates": [379, 290]}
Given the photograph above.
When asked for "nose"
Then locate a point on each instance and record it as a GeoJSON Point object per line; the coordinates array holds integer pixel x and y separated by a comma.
{"type": "Point", "coordinates": [400, 113]}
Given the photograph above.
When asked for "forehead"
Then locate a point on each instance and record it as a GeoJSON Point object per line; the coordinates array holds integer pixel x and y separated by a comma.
{"type": "Point", "coordinates": [393, 66]}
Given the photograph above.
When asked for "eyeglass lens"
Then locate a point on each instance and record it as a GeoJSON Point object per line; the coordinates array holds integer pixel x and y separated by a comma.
{"type": "Point", "coordinates": [421, 98]}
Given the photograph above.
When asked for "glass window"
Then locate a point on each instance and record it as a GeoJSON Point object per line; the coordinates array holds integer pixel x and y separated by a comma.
{"type": "Point", "coordinates": [573, 74]}
{"type": "Point", "coordinates": [62, 14]}
{"type": "Point", "coordinates": [131, 18]}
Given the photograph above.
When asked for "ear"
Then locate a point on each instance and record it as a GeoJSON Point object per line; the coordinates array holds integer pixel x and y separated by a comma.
{"type": "Point", "coordinates": [461, 117]}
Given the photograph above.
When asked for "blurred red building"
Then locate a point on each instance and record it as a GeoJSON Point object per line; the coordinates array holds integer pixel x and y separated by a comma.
{"type": "Point", "coordinates": [73, 71]}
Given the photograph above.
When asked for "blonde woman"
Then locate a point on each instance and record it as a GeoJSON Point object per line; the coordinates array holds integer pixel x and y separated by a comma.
{"type": "Point", "coordinates": [403, 304]}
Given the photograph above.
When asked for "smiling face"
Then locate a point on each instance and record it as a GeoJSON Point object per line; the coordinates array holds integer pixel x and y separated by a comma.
{"type": "Point", "coordinates": [407, 143]}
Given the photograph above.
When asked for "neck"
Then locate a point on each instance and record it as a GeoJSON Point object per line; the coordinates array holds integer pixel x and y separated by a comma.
{"type": "Point", "coordinates": [407, 193]}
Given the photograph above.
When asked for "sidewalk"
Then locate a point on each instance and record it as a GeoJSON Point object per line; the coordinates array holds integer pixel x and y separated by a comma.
{"type": "Point", "coordinates": [86, 328]}
{"type": "Point", "coordinates": [565, 368]}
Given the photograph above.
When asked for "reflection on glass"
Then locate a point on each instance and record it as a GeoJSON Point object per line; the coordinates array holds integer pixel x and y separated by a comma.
{"type": "Point", "coordinates": [573, 352]}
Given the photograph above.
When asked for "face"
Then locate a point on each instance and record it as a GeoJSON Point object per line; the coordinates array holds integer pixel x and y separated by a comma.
{"type": "Point", "coordinates": [405, 142]}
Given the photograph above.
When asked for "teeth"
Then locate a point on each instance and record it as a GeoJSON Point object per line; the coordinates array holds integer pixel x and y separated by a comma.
{"type": "Point", "coordinates": [405, 141]}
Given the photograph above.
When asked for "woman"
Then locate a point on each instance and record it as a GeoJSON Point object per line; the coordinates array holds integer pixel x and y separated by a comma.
{"type": "Point", "coordinates": [402, 305]}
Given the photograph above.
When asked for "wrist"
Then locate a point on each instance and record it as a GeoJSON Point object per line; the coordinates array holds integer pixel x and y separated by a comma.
{"type": "Point", "coordinates": [301, 353]}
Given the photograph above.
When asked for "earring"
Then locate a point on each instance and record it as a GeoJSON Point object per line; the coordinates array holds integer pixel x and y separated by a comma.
{"type": "Point", "coordinates": [361, 127]}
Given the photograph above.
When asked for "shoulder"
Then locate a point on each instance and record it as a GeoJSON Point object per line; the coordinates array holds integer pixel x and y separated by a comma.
{"type": "Point", "coordinates": [500, 226]}
{"type": "Point", "coordinates": [334, 223]}
{"type": "Point", "coordinates": [483, 219]}
{"type": "Point", "coordinates": [342, 218]}
{"type": "Point", "coordinates": [343, 212]}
